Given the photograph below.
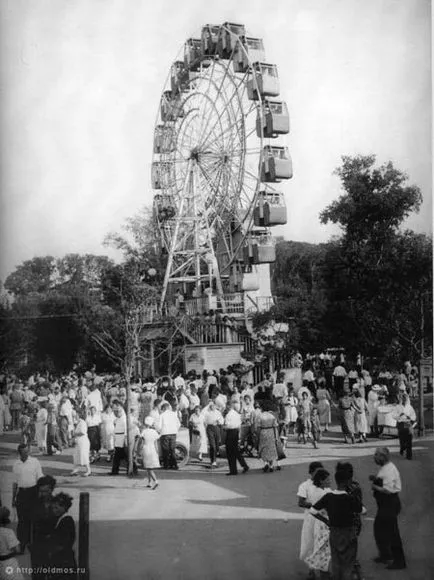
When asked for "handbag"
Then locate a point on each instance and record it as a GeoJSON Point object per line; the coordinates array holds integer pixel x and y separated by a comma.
{"type": "Point", "coordinates": [279, 447]}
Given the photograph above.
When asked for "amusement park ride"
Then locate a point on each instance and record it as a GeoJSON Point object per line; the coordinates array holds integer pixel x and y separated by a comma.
{"type": "Point", "coordinates": [217, 163]}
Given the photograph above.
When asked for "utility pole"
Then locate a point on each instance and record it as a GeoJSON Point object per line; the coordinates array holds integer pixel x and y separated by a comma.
{"type": "Point", "coordinates": [421, 423]}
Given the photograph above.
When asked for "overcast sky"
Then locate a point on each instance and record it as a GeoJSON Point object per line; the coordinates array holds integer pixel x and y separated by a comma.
{"type": "Point", "coordinates": [81, 82]}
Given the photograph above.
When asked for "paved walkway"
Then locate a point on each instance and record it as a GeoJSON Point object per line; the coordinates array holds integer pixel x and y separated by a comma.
{"type": "Point", "coordinates": [201, 524]}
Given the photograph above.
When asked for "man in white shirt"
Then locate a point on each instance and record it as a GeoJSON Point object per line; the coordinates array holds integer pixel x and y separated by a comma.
{"type": "Point", "coordinates": [212, 419]}
{"type": "Point", "coordinates": [405, 417]}
{"type": "Point", "coordinates": [94, 399]}
{"type": "Point", "coordinates": [26, 471]}
{"type": "Point", "coordinates": [120, 425]}
{"type": "Point", "coordinates": [168, 427]}
{"type": "Point", "coordinates": [339, 375]}
{"type": "Point", "coordinates": [386, 486]}
{"type": "Point", "coordinates": [233, 453]}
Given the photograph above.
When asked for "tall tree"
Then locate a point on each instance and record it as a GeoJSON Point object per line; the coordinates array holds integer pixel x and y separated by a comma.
{"type": "Point", "coordinates": [373, 269]}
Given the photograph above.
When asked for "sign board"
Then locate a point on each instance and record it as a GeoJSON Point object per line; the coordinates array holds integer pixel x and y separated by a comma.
{"type": "Point", "coordinates": [426, 372]}
{"type": "Point", "coordinates": [211, 357]}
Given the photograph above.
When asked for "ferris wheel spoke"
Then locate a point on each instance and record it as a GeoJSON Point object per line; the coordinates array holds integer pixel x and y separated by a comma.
{"type": "Point", "coordinates": [227, 70]}
{"type": "Point", "coordinates": [236, 123]}
{"type": "Point", "coordinates": [229, 99]}
{"type": "Point", "coordinates": [218, 137]}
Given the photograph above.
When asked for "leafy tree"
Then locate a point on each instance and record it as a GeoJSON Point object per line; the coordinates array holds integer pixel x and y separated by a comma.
{"type": "Point", "coordinates": [32, 276]}
{"type": "Point", "coordinates": [375, 273]}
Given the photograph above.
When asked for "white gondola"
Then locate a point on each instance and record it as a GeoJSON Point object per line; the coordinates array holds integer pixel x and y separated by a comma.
{"type": "Point", "coordinates": [179, 77]}
{"type": "Point", "coordinates": [267, 81]}
{"type": "Point", "coordinates": [254, 47]}
{"type": "Point", "coordinates": [275, 119]}
{"type": "Point", "coordinates": [164, 139]}
{"type": "Point", "coordinates": [209, 38]}
{"type": "Point", "coordinates": [162, 174]}
{"type": "Point", "coordinates": [277, 164]}
{"type": "Point", "coordinates": [192, 53]}
{"type": "Point", "coordinates": [270, 209]}
{"type": "Point", "coordinates": [260, 248]}
{"type": "Point", "coordinates": [229, 38]}
{"type": "Point", "coordinates": [171, 107]}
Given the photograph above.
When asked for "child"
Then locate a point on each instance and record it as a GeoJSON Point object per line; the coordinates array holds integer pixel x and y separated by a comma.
{"type": "Point", "coordinates": [315, 427]}
{"type": "Point", "coordinates": [9, 547]}
{"type": "Point", "coordinates": [151, 460]}
{"type": "Point", "coordinates": [62, 538]}
{"type": "Point", "coordinates": [300, 425]}
{"type": "Point", "coordinates": [341, 508]}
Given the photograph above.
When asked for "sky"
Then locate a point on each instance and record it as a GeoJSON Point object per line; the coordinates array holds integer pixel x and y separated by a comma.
{"type": "Point", "coordinates": [81, 82]}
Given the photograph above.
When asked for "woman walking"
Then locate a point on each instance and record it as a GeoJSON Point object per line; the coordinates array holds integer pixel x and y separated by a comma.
{"type": "Point", "coordinates": [346, 416]}
{"type": "Point", "coordinates": [199, 443]}
{"type": "Point", "coordinates": [150, 457]}
{"type": "Point", "coordinates": [267, 438]}
{"type": "Point", "coordinates": [373, 403]}
{"type": "Point", "coordinates": [324, 409]}
{"type": "Point", "coordinates": [41, 427]}
{"type": "Point", "coordinates": [82, 445]}
{"type": "Point", "coordinates": [360, 407]}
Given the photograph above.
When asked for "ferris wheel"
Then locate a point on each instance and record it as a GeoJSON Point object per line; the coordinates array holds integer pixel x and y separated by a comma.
{"type": "Point", "coordinates": [217, 162]}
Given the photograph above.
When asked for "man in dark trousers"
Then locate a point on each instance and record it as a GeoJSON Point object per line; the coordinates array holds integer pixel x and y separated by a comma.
{"type": "Point", "coordinates": [26, 470]}
{"type": "Point", "coordinates": [120, 437]}
{"type": "Point", "coordinates": [169, 427]}
{"type": "Point", "coordinates": [233, 453]}
{"type": "Point", "coordinates": [386, 486]}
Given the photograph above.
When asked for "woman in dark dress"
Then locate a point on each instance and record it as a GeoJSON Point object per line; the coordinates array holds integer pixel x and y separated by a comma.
{"type": "Point", "coordinates": [62, 558]}
{"type": "Point", "coordinates": [43, 521]}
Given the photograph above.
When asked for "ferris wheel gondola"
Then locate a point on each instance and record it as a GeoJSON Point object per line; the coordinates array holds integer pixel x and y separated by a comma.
{"type": "Point", "coordinates": [216, 166]}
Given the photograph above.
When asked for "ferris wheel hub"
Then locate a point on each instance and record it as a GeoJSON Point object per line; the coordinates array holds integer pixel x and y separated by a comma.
{"type": "Point", "coordinates": [195, 154]}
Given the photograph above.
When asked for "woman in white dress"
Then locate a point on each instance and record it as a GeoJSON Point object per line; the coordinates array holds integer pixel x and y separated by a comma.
{"type": "Point", "coordinates": [360, 407]}
{"type": "Point", "coordinates": [108, 431]}
{"type": "Point", "coordinates": [7, 418]}
{"type": "Point", "coordinates": [199, 441]}
{"type": "Point", "coordinates": [9, 548]}
{"type": "Point", "coordinates": [315, 548]}
{"type": "Point", "coordinates": [150, 457]}
{"type": "Point", "coordinates": [41, 427]}
{"type": "Point", "coordinates": [324, 407]}
{"type": "Point", "coordinates": [291, 415]}
{"type": "Point", "coordinates": [373, 403]}
{"type": "Point", "coordinates": [81, 455]}
{"type": "Point", "coordinates": [306, 495]}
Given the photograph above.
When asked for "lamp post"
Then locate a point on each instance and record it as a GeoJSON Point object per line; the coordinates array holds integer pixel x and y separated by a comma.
{"type": "Point", "coordinates": [421, 423]}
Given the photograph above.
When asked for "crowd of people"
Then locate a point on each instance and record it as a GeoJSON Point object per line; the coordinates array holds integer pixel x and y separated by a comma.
{"type": "Point", "coordinates": [225, 416]}
{"type": "Point", "coordinates": [90, 411]}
